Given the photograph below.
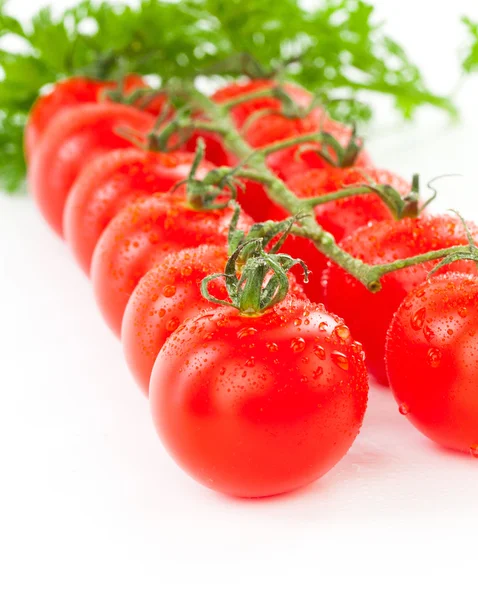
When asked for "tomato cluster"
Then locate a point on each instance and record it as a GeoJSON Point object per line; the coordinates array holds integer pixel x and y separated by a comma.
{"type": "Point", "coordinates": [256, 387]}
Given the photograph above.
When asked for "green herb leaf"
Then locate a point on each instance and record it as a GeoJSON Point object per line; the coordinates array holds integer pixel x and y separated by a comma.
{"type": "Point", "coordinates": [470, 62]}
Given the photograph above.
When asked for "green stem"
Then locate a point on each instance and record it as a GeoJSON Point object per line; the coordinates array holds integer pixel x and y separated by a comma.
{"type": "Point", "coordinates": [368, 275]}
{"type": "Point", "coordinates": [289, 142]}
{"type": "Point", "coordinates": [343, 193]}
{"type": "Point", "coordinates": [264, 93]}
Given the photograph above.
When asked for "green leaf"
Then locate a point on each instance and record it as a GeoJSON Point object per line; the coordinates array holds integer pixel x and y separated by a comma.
{"type": "Point", "coordinates": [470, 62]}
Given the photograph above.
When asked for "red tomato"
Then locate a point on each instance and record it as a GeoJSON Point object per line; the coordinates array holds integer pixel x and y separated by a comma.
{"type": "Point", "coordinates": [165, 297]}
{"type": "Point", "coordinates": [432, 360]}
{"type": "Point", "coordinates": [257, 406]}
{"type": "Point", "coordinates": [111, 182]}
{"type": "Point", "coordinates": [241, 112]}
{"type": "Point", "coordinates": [73, 139]}
{"type": "Point", "coordinates": [140, 236]}
{"type": "Point", "coordinates": [215, 149]}
{"type": "Point", "coordinates": [274, 128]}
{"type": "Point", "coordinates": [67, 94]}
{"type": "Point", "coordinates": [369, 315]}
{"type": "Point", "coordinates": [340, 217]}
{"type": "Point", "coordinates": [296, 161]}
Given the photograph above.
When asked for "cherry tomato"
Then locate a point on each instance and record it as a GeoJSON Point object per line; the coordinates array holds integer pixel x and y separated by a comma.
{"type": "Point", "coordinates": [73, 139]}
{"type": "Point", "coordinates": [432, 360]}
{"type": "Point", "coordinates": [140, 236]}
{"type": "Point", "coordinates": [67, 94]}
{"type": "Point", "coordinates": [340, 217]}
{"type": "Point", "coordinates": [296, 161]}
{"type": "Point", "coordinates": [165, 297]}
{"type": "Point", "coordinates": [369, 315]}
{"type": "Point", "coordinates": [111, 182]}
{"type": "Point", "coordinates": [257, 406]}
{"type": "Point", "coordinates": [241, 112]}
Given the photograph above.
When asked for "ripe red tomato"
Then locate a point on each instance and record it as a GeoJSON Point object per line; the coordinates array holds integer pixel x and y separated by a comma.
{"type": "Point", "coordinates": [140, 236]}
{"type": "Point", "coordinates": [241, 112]}
{"type": "Point", "coordinates": [340, 217]}
{"type": "Point", "coordinates": [68, 93]}
{"type": "Point", "coordinates": [296, 161]}
{"type": "Point", "coordinates": [369, 315]}
{"type": "Point", "coordinates": [73, 139]}
{"type": "Point", "coordinates": [111, 182]}
{"type": "Point", "coordinates": [165, 297]}
{"type": "Point", "coordinates": [432, 360]}
{"type": "Point", "coordinates": [257, 406]}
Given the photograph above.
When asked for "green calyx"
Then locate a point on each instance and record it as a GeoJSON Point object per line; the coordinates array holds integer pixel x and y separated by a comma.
{"type": "Point", "coordinates": [333, 152]}
{"type": "Point", "coordinates": [255, 278]}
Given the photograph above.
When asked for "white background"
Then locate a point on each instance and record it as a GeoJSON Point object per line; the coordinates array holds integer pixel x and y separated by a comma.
{"type": "Point", "coordinates": [91, 506]}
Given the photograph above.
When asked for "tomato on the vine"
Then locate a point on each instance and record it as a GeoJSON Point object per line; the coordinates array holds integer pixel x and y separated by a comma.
{"type": "Point", "coordinates": [259, 405]}
{"type": "Point", "coordinates": [369, 315]}
{"type": "Point", "coordinates": [165, 297]}
{"type": "Point", "coordinates": [113, 181]}
{"type": "Point", "coordinates": [241, 113]}
{"type": "Point", "coordinates": [296, 161]}
{"type": "Point", "coordinates": [73, 139]}
{"type": "Point", "coordinates": [339, 217]}
{"type": "Point", "coordinates": [73, 92]}
{"type": "Point", "coordinates": [432, 360]}
{"type": "Point", "coordinates": [140, 236]}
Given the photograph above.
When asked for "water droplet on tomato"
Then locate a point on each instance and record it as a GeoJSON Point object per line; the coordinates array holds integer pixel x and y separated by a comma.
{"type": "Point", "coordinates": [342, 331]}
{"type": "Point", "coordinates": [418, 319]}
{"type": "Point", "coordinates": [186, 271]}
{"type": "Point", "coordinates": [428, 333]}
{"type": "Point", "coordinates": [245, 332]}
{"type": "Point", "coordinates": [318, 372]}
{"type": "Point", "coordinates": [297, 322]}
{"type": "Point", "coordinates": [172, 324]}
{"type": "Point", "coordinates": [474, 450]}
{"type": "Point", "coordinates": [304, 379]}
{"type": "Point", "coordinates": [420, 293]}
{"type": "Point", "coordinates": [463, 311]}
{"type": "Point", "coordinates": [356, 347]}
{"type": "Point", "coordinates": [319, 351]}
{"type": "Point", "coordinates": [161, 312]}
{"type": "Point", "coordinates": [403, 409]}
{"type": "Point", "coordinates": [272, 347]}
{"type": "Point", "coordinates": [434, 357]}
{"type": "Point", "coordinates": [222, 371]}
{"type": "Point", "coordinates": [341, 360]}
{"type": "Point", "coordinates": [250, 362]}
{"type": "Point", "coordinates": [323, 326]}
{"type": "Point", "coordinates": [297, 344]}
{"type": "Point", "coordinates": [169, 291]}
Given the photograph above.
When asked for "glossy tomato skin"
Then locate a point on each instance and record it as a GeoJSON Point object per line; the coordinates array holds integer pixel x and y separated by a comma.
{"type": "Point", "coordinates": [110, 183]}
{"type": "Point", "coordinates": [165, 297]}
{"type": "Point", "coordinates": [369, 315]}
{"type": "Point", "coordinates": [140, 236]}
{"type": "Point", "coordinates": [67, 94]}
{"type": "Point", "coordinates": [242, 112]}
{"type": "Point", "coordinates": [298, 160]}
{"type": "Point", "coordinates": [257, 406]}
{"type": "Point", "coordinates": [72, 141]}
{"type": "Point", "coordinates": [432, 360]}
{"type": "Point", "coordinates": [340, 217]}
